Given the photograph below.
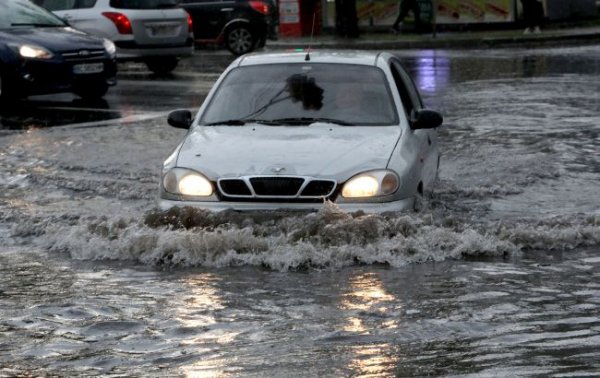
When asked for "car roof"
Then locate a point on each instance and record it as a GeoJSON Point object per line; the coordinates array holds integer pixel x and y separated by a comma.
{"type": "Point", "coordinates": [368, 58]}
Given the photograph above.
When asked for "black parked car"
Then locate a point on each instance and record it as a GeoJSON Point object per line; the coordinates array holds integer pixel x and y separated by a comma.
{"type": "Point", "coordinates": [239, 25]}
{"type": "Point", "coordinates": [40, 54]}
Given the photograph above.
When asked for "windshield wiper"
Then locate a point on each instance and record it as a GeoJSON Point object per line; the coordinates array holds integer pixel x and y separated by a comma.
{"type": "Point", "coordinates": [241, 122]}
{"type": "Point", "coordinates": [310, 120]}
{"type": "Point", "coordinates": [37, 25]}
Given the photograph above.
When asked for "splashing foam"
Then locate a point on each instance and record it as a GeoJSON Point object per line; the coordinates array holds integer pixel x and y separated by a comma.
{"type": "Point", "coordinates": [329, 238]}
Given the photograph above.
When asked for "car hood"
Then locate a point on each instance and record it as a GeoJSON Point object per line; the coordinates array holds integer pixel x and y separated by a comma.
{"type": "Point", "coordinates": [336, 152]}
{"type": "Point", "coordinates": [56, 39]}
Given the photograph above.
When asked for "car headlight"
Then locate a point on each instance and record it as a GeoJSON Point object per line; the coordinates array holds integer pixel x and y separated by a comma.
{"type": "Point", "coordinates": [371, 184]}
{"type": "Point", "coordinates": [187, 182]}
{"type": "Point", "coordinates": [34, 52]}
{"type": "Point", "coordinates": [110, 47]}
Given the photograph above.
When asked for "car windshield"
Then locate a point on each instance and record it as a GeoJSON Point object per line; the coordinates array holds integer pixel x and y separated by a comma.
{"type": "Point", "coordinates": [298, 94]}
{"type": "Point", "coordinates": [23, 13]}
{"type": "Point", "coordinates": [143, 4]}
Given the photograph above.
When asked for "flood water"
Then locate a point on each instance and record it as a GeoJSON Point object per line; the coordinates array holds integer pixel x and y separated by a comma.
{"type": "Point", "coordinates": [499, 275]}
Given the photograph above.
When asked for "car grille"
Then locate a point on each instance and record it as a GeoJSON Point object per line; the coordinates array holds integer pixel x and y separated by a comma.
{"type": "Point", "coordinates": [276, 188]}
{"type": "Point", "coordinates": [80, 55]}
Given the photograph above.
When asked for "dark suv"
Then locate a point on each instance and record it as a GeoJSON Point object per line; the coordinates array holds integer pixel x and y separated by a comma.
{"type": "Point", "coordinates": [239, 25]}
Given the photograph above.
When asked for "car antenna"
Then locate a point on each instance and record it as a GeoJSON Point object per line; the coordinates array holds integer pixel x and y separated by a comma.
{"type": "Point", "coordinates": [312, 33]}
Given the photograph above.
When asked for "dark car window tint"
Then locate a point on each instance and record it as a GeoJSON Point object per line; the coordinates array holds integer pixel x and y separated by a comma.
{"type": "Point", "coordinates": [143, 4]}
{"type": "Point", "coordinates": [415, 97]}
{"type": "Point", "coordinates": [84, 4]}
{"type": "Point", "coordinates": [22, 13]}
{"type": "Point", "coordinates": [404, 96]}
{"type": "Point", "coordinates": [354, 94]}
{"type": "Point", "coordinates": [408, 91]}
{"type": "Point", "coordinates": [59, 5]}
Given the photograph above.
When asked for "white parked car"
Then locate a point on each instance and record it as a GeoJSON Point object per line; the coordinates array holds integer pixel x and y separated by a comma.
{"type": "Point", "coordinates": [292, 130]}
{"type": "Point", "coordinates": [156, 32]}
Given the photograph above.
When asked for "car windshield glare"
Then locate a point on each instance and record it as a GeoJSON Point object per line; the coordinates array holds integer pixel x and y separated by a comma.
{"type": "Point", "coordinates": [23, 13]}
{"type": "Point", "coordinates": [301, 94]}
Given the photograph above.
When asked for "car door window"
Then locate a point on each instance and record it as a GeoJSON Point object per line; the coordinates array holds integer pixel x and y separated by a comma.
{"type": "Point", "coordinates": [59, 5]}
{"type": "Point", "coordinates": [85, 4]}
{"type": "Point", "coordinates": [407, 89]}
{"type": "Point", "coordinates": [143, 4]}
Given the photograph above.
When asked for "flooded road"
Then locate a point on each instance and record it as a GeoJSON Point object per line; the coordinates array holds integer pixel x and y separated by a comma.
{"type": "Point", "coordinates": [498, 276]}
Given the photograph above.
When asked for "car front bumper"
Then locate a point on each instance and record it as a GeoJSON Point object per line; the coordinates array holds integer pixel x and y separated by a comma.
{"type": "Point", "coordinates": [34, 77]}
{"type": "Point", "coordinates": [377, 208]}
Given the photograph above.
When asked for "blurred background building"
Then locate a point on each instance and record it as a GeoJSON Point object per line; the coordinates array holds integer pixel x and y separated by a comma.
{"type": "Point", "coordinates": [296, 16]}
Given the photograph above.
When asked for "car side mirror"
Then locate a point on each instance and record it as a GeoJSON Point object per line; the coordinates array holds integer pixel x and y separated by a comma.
{"type": "Point", "coordinates": [181, 119]}
{"type": "Point", "coordinates": [425, 119]}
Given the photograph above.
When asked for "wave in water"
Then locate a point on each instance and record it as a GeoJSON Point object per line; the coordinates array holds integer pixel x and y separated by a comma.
{"type": "Point", "coordinates": [329, 238]}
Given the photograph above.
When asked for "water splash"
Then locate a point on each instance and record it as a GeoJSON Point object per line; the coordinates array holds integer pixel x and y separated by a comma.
{"type": "Point", "coordinates": [327, 239]}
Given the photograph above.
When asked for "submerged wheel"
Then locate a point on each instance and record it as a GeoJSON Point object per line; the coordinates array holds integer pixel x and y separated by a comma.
{"type": "Point", "coordinates": [240, 40]}
{"type": "Point", "coordinates": [418, 203]}
{"type": "Point", "coordinates": [162, 66]}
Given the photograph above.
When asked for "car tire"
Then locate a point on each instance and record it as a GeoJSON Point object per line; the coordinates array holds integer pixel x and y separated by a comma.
{"type": "Point", "coordinates": [2, 95]}
{"type": "Point", "coordinates": [8, 94]}
{"type": "Point", "coordinates": [239, 40]}
{"type": "Point", "coordinates": [162, 66]}
{"type": "Point", "coordinates": [91, 90]}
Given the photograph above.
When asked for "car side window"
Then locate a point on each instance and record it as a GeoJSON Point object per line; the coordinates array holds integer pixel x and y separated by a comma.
{"type": "Point", "coordinates": [58, 5]}
{"type": "Point", "coordinates": [85, 4]}
{"type": "Point", "coordinates": [411, 99]}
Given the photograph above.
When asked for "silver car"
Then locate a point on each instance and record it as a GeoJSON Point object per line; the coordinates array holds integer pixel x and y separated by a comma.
{"type": "Point", "coordinates": [294, 130]}
{"type": "Point", "coordinates": [156, 32]}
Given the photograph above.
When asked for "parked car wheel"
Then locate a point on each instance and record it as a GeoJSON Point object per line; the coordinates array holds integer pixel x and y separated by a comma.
{"type": "Point", "coordinates": [240, 40]}
{"type": "Point", "coordinates": [162, 66]}
{"type": "Point", "coordinates": [91, 90]}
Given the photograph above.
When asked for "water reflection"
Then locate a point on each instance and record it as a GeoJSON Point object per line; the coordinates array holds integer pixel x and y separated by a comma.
{"type": "Point", "coordinates": [47, 111]}
{"type": "Point", "coordinates": [197, 313]}
{"type": "Point", "coordinates": [365, 303]}
{"type": "Point", "coordinates": [435, 70]}
{"type": "Point", "coordinates": [431, 70]}
{"type": "Point", "coordinates": [374, 360]}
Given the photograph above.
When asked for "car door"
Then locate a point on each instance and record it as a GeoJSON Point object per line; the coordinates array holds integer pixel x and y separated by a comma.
{"type": "Point", "coordinates": [425, 138]}
{"type": "Point", "coordinates": [87, 17]}
{"type": "Point", "coordinates": [209, 16]}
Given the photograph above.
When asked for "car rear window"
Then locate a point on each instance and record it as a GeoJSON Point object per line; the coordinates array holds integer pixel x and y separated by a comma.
{"type": "Point", "coordinates": [353, 94]}
{"type": "Point", "coordinates": [144, 4]}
